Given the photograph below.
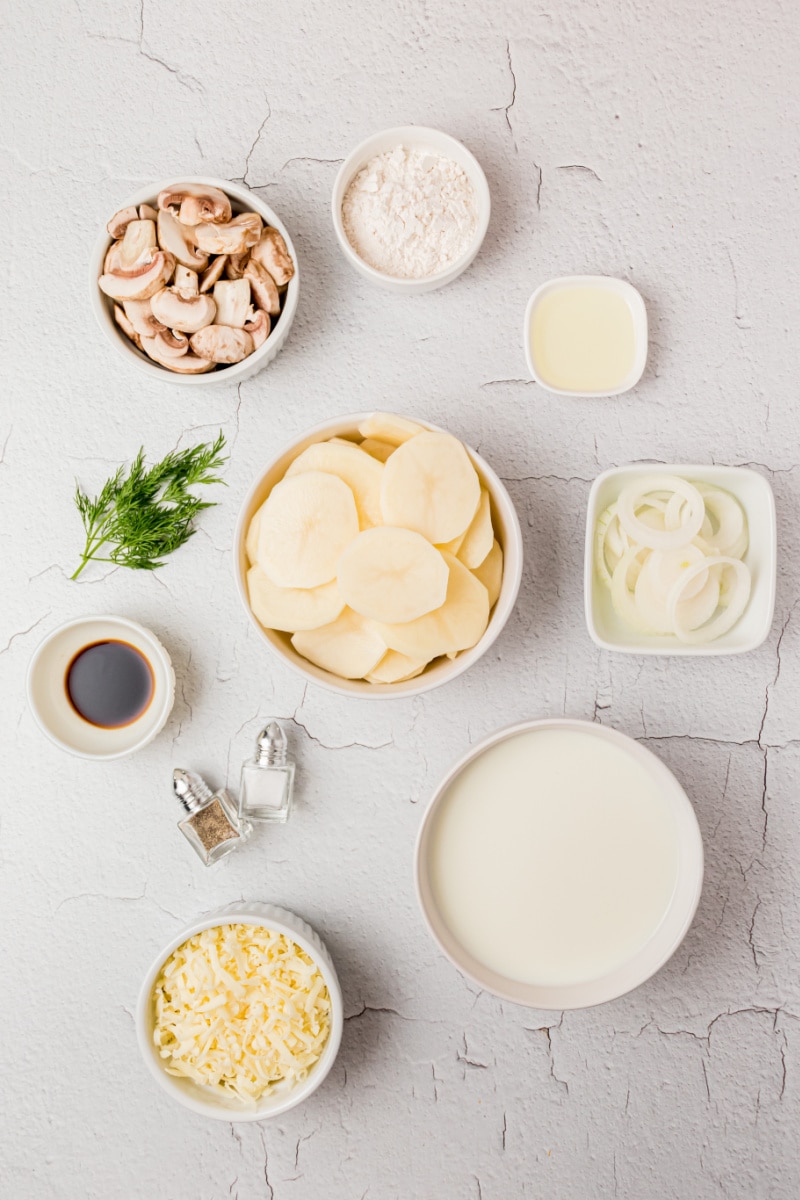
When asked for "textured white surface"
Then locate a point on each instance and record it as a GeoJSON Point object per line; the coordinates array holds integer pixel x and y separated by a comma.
{"type": "Point", "coordinates": [654, 142]}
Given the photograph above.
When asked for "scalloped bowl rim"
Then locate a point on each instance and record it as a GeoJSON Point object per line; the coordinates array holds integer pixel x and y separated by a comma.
{"type": "Point", "coordinates": [280, 920]}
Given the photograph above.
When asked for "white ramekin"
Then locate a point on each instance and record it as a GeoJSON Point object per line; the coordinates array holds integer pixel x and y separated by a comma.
{"type": "Point", "coordinates": [281, 1099]}
{"type": "Point", "coordinates": [665, 939]}
{"type": "Point", "coordinates": [103, 306]}
{"type": "Point", "coordinates": [756, 498]}
{"type": "Point", "coordinates": [619, 287]}
{"type": "Point", "coordinates": [47, 691]}
{"type": "Point", "coordinates": [507, 532]}
{"type": "Point", "coordinates": [412, 136]}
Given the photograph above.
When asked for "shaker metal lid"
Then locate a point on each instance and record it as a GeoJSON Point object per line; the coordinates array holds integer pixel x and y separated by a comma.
{"type": "Point", "coordinates": [190, 788]}
{"type": "Point", "coordinates": [271, 745]}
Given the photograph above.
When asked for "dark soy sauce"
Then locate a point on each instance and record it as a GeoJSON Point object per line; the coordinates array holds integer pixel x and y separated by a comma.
{"type": "Point", "coordinates": [109, 684]}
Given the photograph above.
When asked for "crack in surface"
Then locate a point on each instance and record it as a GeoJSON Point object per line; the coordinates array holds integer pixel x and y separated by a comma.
{"type": "Point", "coordinates": [310, 158]}
{"type": "Point", "coordinates": [255, 142]}
{"type": "Point", "coordinates": [4, 446]}
{"type": "Point", "coordinates": [191, 82]}
{"type": "Point", "coordinates": [497, 382]}
{"type": "Point", "coordinates": [740, 319]}
{"type": "Point", "coordinates": [295, 720]}
{"type": "Point", "coordinates": [370, 1008]}
{"type": "Point", "coordinates": [23, 633]}
{"type": "Point", "coordinates": [506, 108]}
{"type": "Point", "coordinates": [552, 478]}
{"type": "Point", "coordinates": [467, 1061]}
{"type": "Point", "coordinates": [580, 167]}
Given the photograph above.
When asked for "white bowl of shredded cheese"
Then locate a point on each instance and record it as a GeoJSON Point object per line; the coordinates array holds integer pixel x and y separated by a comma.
{"type": "Point", "coordinates": [410, 208]}
{"type": "Point", "coordinates": [240, 1017]}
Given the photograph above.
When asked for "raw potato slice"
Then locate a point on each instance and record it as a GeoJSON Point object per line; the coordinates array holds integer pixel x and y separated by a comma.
{"type": "Point", "coordinates": [251, 542]}
{"type": "Point", "coordinates": [453, 546]}
{"type": "Point", "coordinates": [480, 535]}
{"type": "Point", "coordinates": [291, 609]}
{"type": "Point", "coordinates": [490, 572]}
{"type": "Point", "coordinates": [392, 575]}
{"type": "Point", "coordinates": [349, 647]}
{"type": "Point", "coordinates": [305, 524]}
{"type": "Point", "coordinates": [430, 485]}
{"type": "Point", "coordinates": [378, 449]}
{"type": "Point", "coordinates": [395, 668]}
{"type": "Point", "coordinates": [388, 427]}
{"type": "Point", "coordinates": [358, 470]}
{"type": "Point", "coordinates": [457, 625]}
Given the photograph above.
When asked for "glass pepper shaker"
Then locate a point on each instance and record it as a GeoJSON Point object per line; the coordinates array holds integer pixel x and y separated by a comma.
{"type": "Point", "coordinates": [267, 785]}
{"type": "Point", "coordinates": [213, 827]}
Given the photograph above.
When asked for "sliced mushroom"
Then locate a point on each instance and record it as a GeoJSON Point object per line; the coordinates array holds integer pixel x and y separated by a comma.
{"type": "Point", "coordinates": [184, 364]}
{"type": "Point", "coordinates": [141, 281]}
{"type": "Point", "coordinates": [171, 344]}
{"type": "Point", "coordinates": [233, 302]}
{"type": "Point", "coordinates": [137, 246]}
{"type": "Point", "coordinates": [221, 344]}
{"type": "Point", "coordinates": [174, 236]}
{"type": "Point", "coordinates": [272, 254]}
{"type": "Point", "coordinates": [138, 243]}
{"type": "Point", "coordinates": [182, 309]}
{"type": "Point", "coordinates": [263, 287]}
{"type": "Point", "coordinates": [258, 327]}
{"type": "Point", "coordinates": [212, 274]}
{"type": "Point", "coordinates": [196, 203]}
{"type": "Point", "coordinates": [186, 280]}
{"type": "Point", "coordinates": [126, 326]}
{"type": "Point", "coordinates": [147, 213]}
{"type": "Point", "coordinates": [234, 267]}
{"type": "Point", "coordinates": [140, 314]}
{"type": "Point", "coordinates": [234, 238]}
{"type": "Point", "coordinates": [121, 220]}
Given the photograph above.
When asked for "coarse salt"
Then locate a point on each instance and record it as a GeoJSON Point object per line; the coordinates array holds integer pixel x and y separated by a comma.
{"type": "Point", "coordinates": [410, 212]}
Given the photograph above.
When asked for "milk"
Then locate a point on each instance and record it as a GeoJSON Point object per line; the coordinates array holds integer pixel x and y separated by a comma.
{"type": "Point", "coordinates": [554, 856]}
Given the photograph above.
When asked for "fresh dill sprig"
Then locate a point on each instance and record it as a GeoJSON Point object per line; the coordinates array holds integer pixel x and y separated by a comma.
{"type": "Point", "coordinates": [142, 516]}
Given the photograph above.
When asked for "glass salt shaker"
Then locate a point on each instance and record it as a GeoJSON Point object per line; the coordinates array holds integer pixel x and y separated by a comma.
{"type": "Point", "coordinates": [213, 827]}
{"type": "Point", "coordinates": [267, 785]}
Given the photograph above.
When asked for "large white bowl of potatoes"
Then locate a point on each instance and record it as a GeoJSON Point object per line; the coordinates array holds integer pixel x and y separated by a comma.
{"type": "Point", "coordinates": [378, 555]}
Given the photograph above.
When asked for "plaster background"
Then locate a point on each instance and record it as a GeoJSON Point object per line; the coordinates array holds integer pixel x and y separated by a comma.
{"type": "Point", "coordinates": [656, 142]}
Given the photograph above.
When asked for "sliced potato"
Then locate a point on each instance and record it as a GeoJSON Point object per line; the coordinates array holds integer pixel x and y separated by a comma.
{"type": "Point", "coordinates": [457, 625]}
{"type": "Point", "coordinates": [453, 546]}
{"type": "Point", "coordinates": [350, 646]}
{"type": "Point", "coordinates": [490, 572]}
{"type": "Point", "coordinates": [251, 541]}
{"type": "Point", "coordinates": [392, 575]}
{"type": "Point", "coordinates": [388, 427]}
{"type": "Point", "coordinates": [480, 535]}
{"type": "Point", "coordinates": [430, 485]}
{"type": "Point", "coordinates": [292, 609]}
{"type": "Point", "coordinates": [378, 449]}
{"type": "Point", "coordinates": [361, 472]}
{"type": "Point", "coordinates": [304, 525]}
{"type": "Point", "coordinates": [396, 668]}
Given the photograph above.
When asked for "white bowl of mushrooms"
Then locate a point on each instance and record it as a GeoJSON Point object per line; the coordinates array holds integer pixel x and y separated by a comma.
{"type": "Point", "coordinates": [195, 280]}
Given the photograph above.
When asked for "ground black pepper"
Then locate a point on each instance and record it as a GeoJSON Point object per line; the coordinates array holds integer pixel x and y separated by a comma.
{"type": "Point", "coordinates": [212, 826]}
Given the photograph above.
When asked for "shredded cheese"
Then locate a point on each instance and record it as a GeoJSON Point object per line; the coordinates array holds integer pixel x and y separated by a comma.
{"type": "Point", "coordinates": [239, 1009]}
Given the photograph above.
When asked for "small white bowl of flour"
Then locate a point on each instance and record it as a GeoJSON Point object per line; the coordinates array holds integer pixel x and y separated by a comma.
{"type": "Point", "coordinates": [410, 208]}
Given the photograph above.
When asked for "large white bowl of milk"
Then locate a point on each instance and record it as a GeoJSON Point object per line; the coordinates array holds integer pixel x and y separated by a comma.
{"type": "Point", "coordinates": [559, 864]}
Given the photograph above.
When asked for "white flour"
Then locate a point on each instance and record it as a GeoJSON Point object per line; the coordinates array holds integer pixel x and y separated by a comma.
{"type": "Point", "coordinates": [410, 213]}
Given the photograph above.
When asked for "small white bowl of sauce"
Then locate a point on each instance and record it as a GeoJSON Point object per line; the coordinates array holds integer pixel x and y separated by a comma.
{"type": "Point", "coordinates": [101, 687]}
{"type": "Point", "coordinates": [586, 335]}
